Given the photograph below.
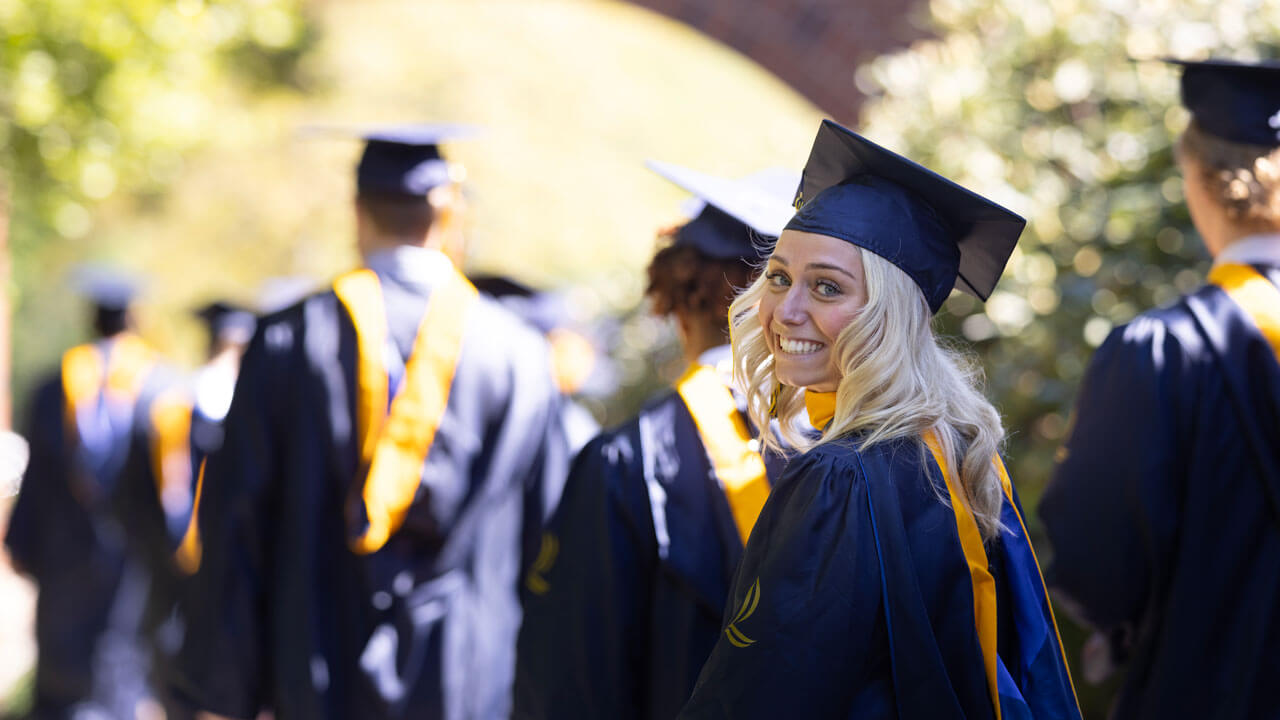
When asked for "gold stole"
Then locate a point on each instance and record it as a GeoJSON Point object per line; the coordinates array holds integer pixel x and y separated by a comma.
{"type": "Point", "coordinates": [190, 550]}
{"type": "Point", "coordinates": [85, 373]}
{"type": "Point", "coordinates": [739, 467]}
{"type": "Point", "coordinates": [171, 447]}
{"type": "Point", "coordinates": [394, 445]}
{"type": "Point", "coordinates": [1255, 295]}
{"type": "Point", "coordinates": [985, 610]}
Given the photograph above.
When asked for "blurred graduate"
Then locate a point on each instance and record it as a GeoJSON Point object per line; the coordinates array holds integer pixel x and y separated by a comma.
{"type": "Point", "coordinates": [624, 600]}
{"type": "Point", "coordinates": [65, 531]}
{"type": "Point", "coordinates": [1164, 509]}
{"type": "Point", "coordinates": [889, 574]}
{"type": "Point", "coordinates": [387, 459]}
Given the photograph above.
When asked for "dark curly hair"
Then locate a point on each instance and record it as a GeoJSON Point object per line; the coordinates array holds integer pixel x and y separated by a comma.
{"type": "Point", "coordinates": [681, 278]}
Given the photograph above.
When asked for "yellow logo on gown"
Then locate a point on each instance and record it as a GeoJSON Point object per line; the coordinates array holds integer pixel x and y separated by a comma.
{"type": "Point", "coordinates": [536, 580]}
{"type": "Point", "coordinates": [736, 637]}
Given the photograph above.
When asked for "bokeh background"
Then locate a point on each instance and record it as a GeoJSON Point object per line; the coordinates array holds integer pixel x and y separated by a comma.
{"type": "Point", "coordinates": [165, 136]}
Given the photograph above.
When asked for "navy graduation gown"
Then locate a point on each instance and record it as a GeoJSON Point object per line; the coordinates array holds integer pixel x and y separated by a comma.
{"type": "Point", "coordinates": [630, 607]}
{"type": "Point", "coordinates": [854, 600]}
{"type": "Point", "coordinates": [282, 614]}
{"type": "Point", "coordinates": [64, 533]}
{"type": "Point", "coordinates": [1160, 513]}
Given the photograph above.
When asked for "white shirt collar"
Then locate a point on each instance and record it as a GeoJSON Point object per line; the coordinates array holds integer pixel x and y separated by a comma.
{"type": "Point", "coordinates": [1251, 250]}
{"type": "Point", "coordinates": [410, 265]}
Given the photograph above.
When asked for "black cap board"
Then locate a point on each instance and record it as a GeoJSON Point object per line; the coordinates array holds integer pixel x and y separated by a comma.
{"type": "Point", "coordinates": [940, 234]}
{"type": "Point", "coordinates": [1236, 101]}
{"type": "Point", "coordinates": [730, 214]}
{"type": "Point", "coordinates": [400, 159]}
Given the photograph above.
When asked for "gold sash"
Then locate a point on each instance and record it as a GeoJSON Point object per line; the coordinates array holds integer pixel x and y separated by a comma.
{"type": "Point", "coordinates": [985, 609]}
{"type": "Point", "coordinates": [84, 375]}
{"type": "Point", "coordinates": [171, 447]}
{"type": "Point", "coordinates": [1255, 294]}
{"type": "Point", "coordinates": [394, 445]}
{"type": "Point", "coordinates": [739, 467]}
{"type": "Point", "coordinates": [190, 549]}
{"type": "Point", "coordinates": [986, 619]}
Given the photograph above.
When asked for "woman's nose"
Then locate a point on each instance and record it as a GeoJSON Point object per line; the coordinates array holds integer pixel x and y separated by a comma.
{"type": "Point", "coordinates": [791, 310]}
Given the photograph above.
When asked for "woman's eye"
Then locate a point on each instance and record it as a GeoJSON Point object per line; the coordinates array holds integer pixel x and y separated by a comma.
{"type": "Point", "coordinates": [777, 279]}
{"type": "Point", "coordinates": [827, 289]}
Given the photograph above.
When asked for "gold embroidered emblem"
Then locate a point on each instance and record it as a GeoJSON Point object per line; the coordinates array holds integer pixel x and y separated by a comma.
{"type": "Point", "coordinates": [536, 580]}
{"type": "Point", "coordinates": [736, 637]}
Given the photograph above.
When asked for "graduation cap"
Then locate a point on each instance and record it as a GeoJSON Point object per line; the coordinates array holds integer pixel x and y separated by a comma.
{"type": "Point", "coordinates": [108, 288]}
{"type": "Point", "coordinates": [406, 159]}
{"type": "Point", "coordinates": [227, 322]}
{"type": "Point", "coordinates": [400, 159]}
{"type": "Point", "coordinates": [1236, 101]}
{"type": "Point", "coordinates": [937, 232]}
{"type": "Point", "coordinates": [732, 212]}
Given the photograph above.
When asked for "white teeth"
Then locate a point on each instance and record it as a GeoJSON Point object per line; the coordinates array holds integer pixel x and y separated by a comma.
{"type": "Point", "coordinates": [798, 347]}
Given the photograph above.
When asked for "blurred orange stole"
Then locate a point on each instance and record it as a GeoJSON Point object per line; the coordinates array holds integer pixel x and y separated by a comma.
{"type": "Point", "coordinates": [1255, 295]}
{"type": "Point", "coordinates": [394, 444]}
{"type": "Point", "coordinates": [729, 445]}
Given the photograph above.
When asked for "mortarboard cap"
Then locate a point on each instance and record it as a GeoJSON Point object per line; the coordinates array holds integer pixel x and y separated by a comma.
{"type": "Point", "coordinates": [1235, 101]}
{"type": "Point", "coordinates": [108, 288]}
{"type": "Point", "coordinates": [405, 159]}
{"type": "Point", "coordinates": [937, 232]}
{"type": "Point", "coordinates": [227, 322]}
{"type": "Point", "coordinates": [732, 211]}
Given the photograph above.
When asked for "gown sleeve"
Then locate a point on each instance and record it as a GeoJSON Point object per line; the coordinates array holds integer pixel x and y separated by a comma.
{"type": "Point", "coordinates": [804, 607]}
{"type": "Point", "coordinates": [582, 644]}
{"type": "Point", "coordinates": [45, 494]}
{"type": "Point", "coordinates": [1112, 503]}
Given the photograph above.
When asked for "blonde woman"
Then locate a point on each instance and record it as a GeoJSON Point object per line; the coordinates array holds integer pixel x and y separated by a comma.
{"type": "Point", "coordinates": [1164, 512]}
{"type": "Point", "coordinates": [889, 574]}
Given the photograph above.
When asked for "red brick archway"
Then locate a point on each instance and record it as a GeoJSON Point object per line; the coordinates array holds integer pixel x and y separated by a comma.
{"type": "Point", "coordinates": [813, 45]}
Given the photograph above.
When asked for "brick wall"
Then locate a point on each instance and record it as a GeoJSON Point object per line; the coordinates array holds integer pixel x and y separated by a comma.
{"type": "Point", "coordinates": [813, 45]}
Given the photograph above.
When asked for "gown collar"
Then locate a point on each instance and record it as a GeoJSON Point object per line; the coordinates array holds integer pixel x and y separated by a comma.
{"type": "Point", "coordinates": [1252, 250]}
{"type": "Point", "coordinates": [821, 407]}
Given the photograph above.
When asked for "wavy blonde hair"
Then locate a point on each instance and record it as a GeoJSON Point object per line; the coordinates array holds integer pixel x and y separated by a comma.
{"type": "Point", "coordinates": [897, 380]}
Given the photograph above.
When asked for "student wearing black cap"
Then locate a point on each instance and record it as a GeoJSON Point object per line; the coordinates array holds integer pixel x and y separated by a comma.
{"type": "Point", "coordinates": [889, 574]}
{"type": "Point", "coordinates": [624, 603]}
{"type": "Point", "coordinates": [1164, 509]}
{"type": "Point", "coordinates": [64, 531]}
{"type": "Point", "coordinates": [388, 454]}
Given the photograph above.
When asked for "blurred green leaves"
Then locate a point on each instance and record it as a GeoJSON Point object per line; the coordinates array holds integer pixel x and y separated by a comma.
{"type": "Point", "coordinates": [102, 98]}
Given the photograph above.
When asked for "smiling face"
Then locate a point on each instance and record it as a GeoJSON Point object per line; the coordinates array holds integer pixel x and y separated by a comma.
{"type": "Point", "coordinates": [814, 287]}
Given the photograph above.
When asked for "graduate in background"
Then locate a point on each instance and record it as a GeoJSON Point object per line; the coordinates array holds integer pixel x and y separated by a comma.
{"type": "Point", "coordinates": [1164, 510]}
{"type": "Point", "coordinates": [388, 457]}
{"type": "Point", "coordinates": [64, 533]}
{"type": "Point", "coordinates": [230, 328]}
{"type": "Point", "coordinates": [624, 602]}
{"type": "Point", "coordinates": [575, 362]}
{"type": "Point", "coordinates": [889, 574]}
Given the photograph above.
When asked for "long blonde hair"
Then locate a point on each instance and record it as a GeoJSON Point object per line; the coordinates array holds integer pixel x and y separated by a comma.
{"type": "Point", "coordinates": [897, 380]}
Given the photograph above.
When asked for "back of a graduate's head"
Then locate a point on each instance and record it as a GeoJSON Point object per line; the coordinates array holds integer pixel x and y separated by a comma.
{"type": "Point", "coordinates": [686, 281]}
{"type": "Point", "coordinates": [109, 321]}
{"type": "Point", "coordinates": [1242, 179]}
{"type": "Point", "coordinates": [393, 216]}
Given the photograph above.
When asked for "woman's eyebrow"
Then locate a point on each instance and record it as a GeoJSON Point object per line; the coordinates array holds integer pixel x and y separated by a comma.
{"type": "Point", "coordinates": [828, 266]}
{"type": "Point", "coordinates": [781, 260]}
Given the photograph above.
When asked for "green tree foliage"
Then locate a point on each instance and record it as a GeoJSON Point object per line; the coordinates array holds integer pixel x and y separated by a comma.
{"type": "Point", "coordinates": [1058, 109]}
{"type": "Point", "coordinates": [102, 99]}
